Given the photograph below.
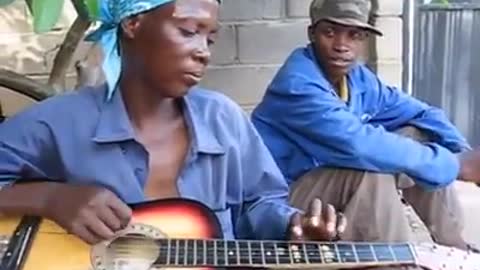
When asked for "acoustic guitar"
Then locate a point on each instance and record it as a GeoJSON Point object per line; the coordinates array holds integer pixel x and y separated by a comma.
{"type": "Point", "coordinates": [180, 233]}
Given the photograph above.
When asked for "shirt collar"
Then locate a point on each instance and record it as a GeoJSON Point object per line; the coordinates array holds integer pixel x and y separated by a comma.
{"type": "Point", "coordinates": [114, 124]}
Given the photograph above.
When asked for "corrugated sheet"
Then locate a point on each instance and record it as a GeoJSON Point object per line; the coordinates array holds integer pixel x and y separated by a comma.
{"type": "Point", "coordinates": [446, 64]}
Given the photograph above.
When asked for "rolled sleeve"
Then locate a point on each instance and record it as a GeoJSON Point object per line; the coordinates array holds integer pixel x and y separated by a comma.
{"type": "Point", "coordinates": [26, 149]}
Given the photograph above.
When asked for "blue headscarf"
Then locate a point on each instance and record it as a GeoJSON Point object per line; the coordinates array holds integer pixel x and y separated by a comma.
{"type": "Point", "coordinates": [112, 12]}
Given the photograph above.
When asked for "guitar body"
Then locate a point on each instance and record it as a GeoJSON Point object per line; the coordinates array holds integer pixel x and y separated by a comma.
{"type": "Point", "coordinates": [54, 249]}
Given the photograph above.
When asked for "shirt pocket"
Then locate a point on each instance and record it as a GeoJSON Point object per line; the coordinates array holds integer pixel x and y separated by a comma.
{"type": "Point", "coordinates": [224, 217]}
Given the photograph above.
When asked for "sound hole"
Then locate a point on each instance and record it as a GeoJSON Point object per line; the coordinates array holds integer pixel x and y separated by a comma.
{"type": "Point", "coordinates": [131, 252]}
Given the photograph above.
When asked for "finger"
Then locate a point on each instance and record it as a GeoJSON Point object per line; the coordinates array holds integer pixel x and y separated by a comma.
{"type": "Point", "coordinates": [85, 234]}
{"type": "Point", "coordinates": [109, 218]}
{"type": "Point", "coordinates": [315, 208]}
{"type": "Point", "coordinates": [330, 220]}
{"type": "Point", "coordinates": [295, 229]}
{"type": "Point", "coordinates": [121, 210]}
{"type": "Point", "coordinates": [100, 229]}
{"type": "Point", "coordinates": [341, 224]}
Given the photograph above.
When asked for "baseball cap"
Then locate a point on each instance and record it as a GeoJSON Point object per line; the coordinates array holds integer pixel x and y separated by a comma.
{"type": "Point", "coordinates": [345, 12]}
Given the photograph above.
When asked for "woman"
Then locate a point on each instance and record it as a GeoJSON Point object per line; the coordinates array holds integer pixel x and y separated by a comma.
{"type": "Point", "coordinates": [148, 133]}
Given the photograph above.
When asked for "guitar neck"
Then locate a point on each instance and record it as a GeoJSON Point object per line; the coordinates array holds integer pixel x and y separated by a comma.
{"type": "Point", "coordinates": [277, 254]}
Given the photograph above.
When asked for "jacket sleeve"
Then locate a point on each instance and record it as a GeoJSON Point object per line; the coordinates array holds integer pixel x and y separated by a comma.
{"type": "Point", "coordinates": [399, 108]}
{"type": "Point", "coordinates": [266, 212]}
{"type": "Point", "coordinates": [316, 118]}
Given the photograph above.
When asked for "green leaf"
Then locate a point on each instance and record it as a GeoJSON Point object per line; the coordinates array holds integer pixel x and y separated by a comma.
{"type": "Point", "coordinates": [46, 14]}
{"type": "Point", "coordinates": [93, 8]}
{"type": "Point", "coordinates": [5, 2]}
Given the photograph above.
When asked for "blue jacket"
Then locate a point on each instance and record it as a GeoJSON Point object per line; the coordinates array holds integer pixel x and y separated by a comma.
{"type": "Point", "coordinates": [306, 125]}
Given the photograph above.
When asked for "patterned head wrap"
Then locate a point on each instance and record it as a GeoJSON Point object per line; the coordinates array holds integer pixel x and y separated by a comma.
{"type": "Point", "coordinates": [112, 12]}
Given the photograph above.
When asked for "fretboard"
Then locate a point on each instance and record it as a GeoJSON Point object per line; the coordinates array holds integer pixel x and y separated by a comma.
{"type": "Point", "coordinates": [221, 253]}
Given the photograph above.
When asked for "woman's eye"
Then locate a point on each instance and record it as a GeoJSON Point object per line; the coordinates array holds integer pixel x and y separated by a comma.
{"type": "Point", "coordinates": [187, 33]}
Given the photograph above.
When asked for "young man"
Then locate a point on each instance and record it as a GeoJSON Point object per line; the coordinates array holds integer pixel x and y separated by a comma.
{"type": "Point", "coordinates": [339, 133]}
{"type": "Point", "coordinates": [146, 135]}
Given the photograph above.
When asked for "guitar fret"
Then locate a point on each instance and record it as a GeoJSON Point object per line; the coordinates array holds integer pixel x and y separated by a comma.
{"type": "Point", "coordinates": [393, 253]}
{"type": "Point", "coordinates": [256, 253]}
{"type": "Point", "coordinates": [383, 253]}
{"type": "Point", "coordinates": [211, 258]}
{"type": "Point", "coordinates": [177, 249]}
{"type": "Point", "coordinates": [403, 252]}
{"type": "Point", "coordinates": [169, 248]}
{"type": "Point", "coordinates": [313, 253]}
{"type": "Point", "coordinates": [373, 252]}
{"type": "Point", "coordinates": [204, 253]}
{"type": "Point", "coordinates": [262, 251]}
{"type": "Point", "coordinates": [329, 253]}
{"type": "Point", "coordinates": [275, 247]}
{"type": "Point", "coordinates": [244, 253]}
{"type": "Point", "coordinates": [250, 260]}
{"type": "Point", "coordinates": [237, 247]}
{"type": "Point", "coordinates": [220, 252]}
{"type": "Point", "coordinates": [305, 254]}
{"type": "Point", "coordinates": [346, 253]}
{"type": "Point", "coordinates": [269, 253]}
{"type": "Point", "coordinates": [232, 253]}
{"type": "Point", "coordinates": [297, 253]}
{"type": "Point", "coordinates": [365, 253]}
{"type": "Point", "coordinates": [322, 258]}
{"type": "Point", "coordinates": [195, 252]}
{"type": "Point", "coordinates": [283, 253]}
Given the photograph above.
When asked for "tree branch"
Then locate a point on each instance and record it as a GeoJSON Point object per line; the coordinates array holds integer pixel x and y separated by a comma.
{"type": "Point", "coordinates": [24, 85]}
{"type": "Point", "coordinates": [64, 56]}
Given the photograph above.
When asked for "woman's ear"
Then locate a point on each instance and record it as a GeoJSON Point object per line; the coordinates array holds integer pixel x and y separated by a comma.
{"type": "Point", "coordinates": [130, 26]}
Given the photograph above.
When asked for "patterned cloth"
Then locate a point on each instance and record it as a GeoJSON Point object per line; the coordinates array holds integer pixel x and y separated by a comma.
{"type": "Point", "coordinates": [112, 12]}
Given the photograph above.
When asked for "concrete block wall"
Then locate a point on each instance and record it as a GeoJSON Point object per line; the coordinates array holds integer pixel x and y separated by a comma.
{"type": "Point", "coordinates": [255, 38]}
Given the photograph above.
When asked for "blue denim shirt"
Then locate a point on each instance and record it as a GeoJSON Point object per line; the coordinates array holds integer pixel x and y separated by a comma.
{"type": "Point", "coordinates": [80, 138]}
{"type": "Point", "coordinates": [306, 125]}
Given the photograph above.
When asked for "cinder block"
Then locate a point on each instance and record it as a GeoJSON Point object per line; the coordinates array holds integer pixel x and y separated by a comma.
{"type": "Point", "coordinates": [225, 49]}
{"type": "Point", "coordinates": [242, 10]}
{"type": "Point", "coordinates": [270, 42]}
{"type": "Point", "coordinates": [390, 45]}
{"type": "Point", "coordinates": [298, 8]}
{"type": "Point", "coordinates": [390, 7]}
{"type": "Point", "coordinates": [244, 84]}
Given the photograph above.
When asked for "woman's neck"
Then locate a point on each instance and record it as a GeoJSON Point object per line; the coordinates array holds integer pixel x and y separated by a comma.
{"type": "Point", "coordinates": [146, 107]}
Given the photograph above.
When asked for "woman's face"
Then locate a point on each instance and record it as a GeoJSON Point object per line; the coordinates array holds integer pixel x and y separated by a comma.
{"type": "Point", "coordinates": [169, 47]}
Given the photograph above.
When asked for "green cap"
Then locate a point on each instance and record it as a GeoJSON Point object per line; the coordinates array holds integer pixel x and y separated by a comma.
{"type": "Point", "coordinates": [345, 12]}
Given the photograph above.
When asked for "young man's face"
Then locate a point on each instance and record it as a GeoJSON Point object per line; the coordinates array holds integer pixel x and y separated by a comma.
{"type": "Point", "coordinates": [170, 46]}
{"type": "Point", "coordinates": [337, 46]}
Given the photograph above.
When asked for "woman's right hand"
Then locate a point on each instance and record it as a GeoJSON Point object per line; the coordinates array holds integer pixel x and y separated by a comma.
{"type": "Point", "coordinates": [91, 213]}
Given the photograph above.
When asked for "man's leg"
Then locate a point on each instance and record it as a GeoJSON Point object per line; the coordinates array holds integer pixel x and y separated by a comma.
{"type": "Point", "coordinates": [440, 210]}
{"type": "Point", "coordinates": [370, 202]}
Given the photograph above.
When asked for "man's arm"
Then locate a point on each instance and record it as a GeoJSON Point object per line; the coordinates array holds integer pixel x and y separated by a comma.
{"type": "Point", "coordinates": [398, 109]}
{"type": "Point", "coordinates": [327, 130]}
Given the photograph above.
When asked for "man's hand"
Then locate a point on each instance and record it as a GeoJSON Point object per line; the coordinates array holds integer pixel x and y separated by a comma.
{"type": "Point", "coordinates": [92, 213]}
{"type": "Point", "coordinates": [317, 224]}
{"type": "Point", "coordinates": [470, 166]}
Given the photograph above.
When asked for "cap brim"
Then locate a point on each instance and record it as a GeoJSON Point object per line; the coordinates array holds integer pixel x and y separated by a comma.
{"type": "Point", "coordinates": [355, 23]}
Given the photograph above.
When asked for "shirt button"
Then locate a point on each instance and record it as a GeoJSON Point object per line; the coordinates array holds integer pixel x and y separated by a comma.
{"type": "Point", "coordinates": [124, 151]}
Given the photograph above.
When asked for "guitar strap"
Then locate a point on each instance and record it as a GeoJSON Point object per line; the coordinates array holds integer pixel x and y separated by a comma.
{"type": "Point", "coordinates": [19, 244]}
